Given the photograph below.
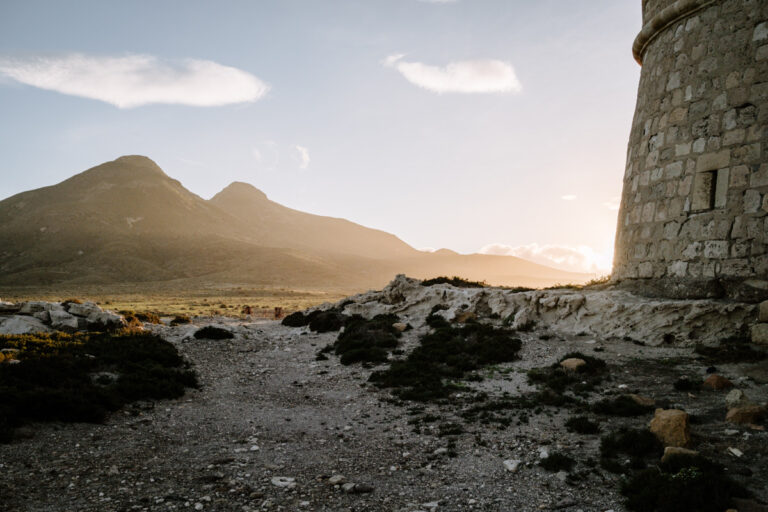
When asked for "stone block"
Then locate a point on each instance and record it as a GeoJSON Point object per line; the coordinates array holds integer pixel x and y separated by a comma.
{"type": "Point", "coordinates": [713, 161]}
{"type": "Point", "coordinates": [759, 334]}
{"type": "Point", "coordinates": [671, 427]}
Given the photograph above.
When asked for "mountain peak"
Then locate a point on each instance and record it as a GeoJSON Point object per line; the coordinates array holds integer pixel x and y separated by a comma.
{"type": "Point", "coordinates": [239, 190]}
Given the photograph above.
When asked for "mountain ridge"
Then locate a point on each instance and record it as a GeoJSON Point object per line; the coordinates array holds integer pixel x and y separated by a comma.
{"type": "Point", "coordinates": [128, 221]}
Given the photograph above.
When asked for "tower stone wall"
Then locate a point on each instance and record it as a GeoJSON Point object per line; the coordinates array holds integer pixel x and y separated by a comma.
{"type": "Point", "coordinates": [693, 220]}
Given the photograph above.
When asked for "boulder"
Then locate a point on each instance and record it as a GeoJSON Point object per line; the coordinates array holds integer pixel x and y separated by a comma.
{"type": "Point", "coordinates": [105, 320]}
{"type": "Point", "coordinates": [573, 364]}
{"type": "Point", "coordinates": [33, 306]}
{"type": "Point", "coordinates": [671, 427]}
{"type": "Point", "coordinates": [9, 307]}
{"type": "Point", "coordinates": [43, 316]}
{"type": "Point", "coordinates": [84, 309]}
{"type": "Point", "coordinates": [671, 451]}
{"type": "Point", "coordinates": [63, 321]}
{"type": "Point", "coordinates": [746, 414]}
{"type": "Point", "coordinates": [23, 325]}
{"type": "Point", "coordinates": [717, 382]}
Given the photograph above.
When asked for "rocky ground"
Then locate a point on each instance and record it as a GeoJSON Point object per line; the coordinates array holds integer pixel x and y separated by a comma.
{"type": "Point", "coordinates": [272, 428]}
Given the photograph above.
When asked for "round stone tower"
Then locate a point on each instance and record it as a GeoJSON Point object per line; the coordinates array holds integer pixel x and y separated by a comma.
{"type": "Point", "coordinates": [693, 220]}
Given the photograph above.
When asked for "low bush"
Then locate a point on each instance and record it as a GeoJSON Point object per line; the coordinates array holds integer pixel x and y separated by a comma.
{"type": "Point", "coordinates": [56, 379]}
{"type": "Point", "coordinates": [456, 281]}
{"type": "Point", "coordinates": [622, 405]}
{"type": "Point", "coordinates": [732, 350]}
{"type": "Point", "coordinates": [448, 353]}
{"type": "Point", "coordinates": [683, 483]}
{"type": "Point", "coordinates": [210, 332]}
{"type": "Point", "coordinates": [367, 341]}
{"type": "Point", "coordinates": [637, 444]}
{"type": "Point", "coordinates": [582, 425]}
{"type": "Point", "coordinates": [557, 462]}
{"type": "Point", "coordinates": [560, 380]}
{"type": "Point", "coordinates": [180, 320]}
{"type": "Point", "coordinates": [297, 319]}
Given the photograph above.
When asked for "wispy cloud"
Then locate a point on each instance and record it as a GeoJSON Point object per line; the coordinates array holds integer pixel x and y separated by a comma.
{"type": "Point", "coordinates": [574, 259]}
{"type": "Point", "coordinates": [135, 80]}
{"type": "Point", "coordinates": [303, 156]}
{"type": "Point", "coordinates": [613, 203]}
{"type": "Point", "coordinates": [467, 76]}
{"type": "Point", "coordinates": [569, 197]}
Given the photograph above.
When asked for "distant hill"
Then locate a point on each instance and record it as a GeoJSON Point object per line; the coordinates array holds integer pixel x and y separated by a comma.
{"type": "Point", "coordinates": [126, 221]}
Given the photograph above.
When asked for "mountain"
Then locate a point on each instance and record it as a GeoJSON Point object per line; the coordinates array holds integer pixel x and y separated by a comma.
{"type": "Point", "coordinates": [126, 221]}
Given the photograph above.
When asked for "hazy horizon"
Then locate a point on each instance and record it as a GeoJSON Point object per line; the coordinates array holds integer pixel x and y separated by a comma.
{"type": "Point", "coordinates": [477, 126]}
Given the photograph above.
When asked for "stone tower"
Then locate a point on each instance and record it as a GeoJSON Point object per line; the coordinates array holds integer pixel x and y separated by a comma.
{"type": "Point", "coordinates": [693, 220]}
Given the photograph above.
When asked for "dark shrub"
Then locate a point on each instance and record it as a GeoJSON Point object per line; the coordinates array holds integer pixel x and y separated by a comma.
{"type": "Point", "coordinates": [367, 341]}
{"type": "Point", "coordinates": [638, 444]}
{"type": "Point", "coordinates": [326, 321]}
{"type": "Point", "coordinates": [55, 379]}
{"type": "Point", "coordinates": [681, 484]}
{"type": "Point", "coordinates": [731, 350]}
{"type": "Point", "coordinates": [557, 462]}
{"type": "Point", "coordinates": [448, 353]}
{"type": "Point", "coordinates": [621, 406]}
{"type": "Point", "coordinates": [582, 425]}
{"type": "Point", "coordinates": [458, 282]}
{"type": "Point", "coordinates": [297, 319]}
{"type": "Point", "coordinates": [210, 332]}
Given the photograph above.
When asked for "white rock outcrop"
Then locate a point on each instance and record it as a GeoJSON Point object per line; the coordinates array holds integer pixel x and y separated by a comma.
{"type": "Point", "coordinates": [605, 314]}
{"type": "Point", "coordinates": [38, 316]}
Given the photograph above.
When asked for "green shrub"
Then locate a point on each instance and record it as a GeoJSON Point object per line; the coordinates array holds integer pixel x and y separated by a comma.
{"type": "Point", "coordinates": [55, 380]}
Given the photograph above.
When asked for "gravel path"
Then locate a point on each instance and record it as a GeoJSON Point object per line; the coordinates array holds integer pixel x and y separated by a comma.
{"type": "Point", "coordinates": [273, 429]}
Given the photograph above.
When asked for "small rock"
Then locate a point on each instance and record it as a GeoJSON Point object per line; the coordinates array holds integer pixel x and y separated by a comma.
{"type": "Point", "coordinates": [543, 453]}
{"type": "Point", "coordinates": [440, 451]}
{"type": "Point", "coordinates": [760, 334]}
{"type": "Point", "coordinates": [745, 414]}
{"type": "Point", "coordinates": [351, 488]}
{"type": "Point", "coordinates": [464, 317]}
{"type": "Point", "coordinates": [671, 451]}
{"type": "Point", "coordinates": [512, 465]}
{"type": "Point", "coordinates": [717, 382]}
{"type": "Point", "coordinates": [671, 427]}
{"type": "Point", "coordinates": [643, 400]}
{"type": "Point", "coordinates": [735, 452]}
{"type": "Point", "coordinates": [399, 326]}
{"type": "Point", "coordinates": [336, 480]}
{"type": "Point", "coordinates": [283, 481]}
{"type": "Point", "coordinates": [572, 364]}
{"type": "Point", "coordinates": [735, 398]}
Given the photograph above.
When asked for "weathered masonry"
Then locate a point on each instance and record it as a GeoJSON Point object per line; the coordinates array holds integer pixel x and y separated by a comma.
{"type": "Point", "coordinates": [694, 211]}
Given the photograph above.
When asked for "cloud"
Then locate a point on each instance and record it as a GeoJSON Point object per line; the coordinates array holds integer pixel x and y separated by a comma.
{"type": "Point", "coordinates": [569, 197]}
{"type": "Point", "coordinates": [426, 249]}
{"type": "Point", "coordinates": [135, 80]}
{"type": "Point", "coordinates": [573, 259]}
{"type": "Point", "coordinates": [467, 76]}
{"type": "Point", "coordinates": [613, 203]}
{"type": "Point", "coordinates": [303, 156]}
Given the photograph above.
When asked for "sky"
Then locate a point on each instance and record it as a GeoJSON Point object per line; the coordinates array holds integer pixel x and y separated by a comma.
{"type": "Point", "coordinates": [494, 126]}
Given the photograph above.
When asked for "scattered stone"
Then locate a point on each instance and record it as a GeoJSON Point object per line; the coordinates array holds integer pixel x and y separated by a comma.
{"type": "Point", "coordinates": [284, 481]}
{"type": "Point", "coordinates": [735, 398]}
{"type": "Point", "coordinates": [399, 326]}
{"type": "Point", "coordinates": [671, 427]}
{"type": "Point", "coordinates": [717, 382]}
{"type": "Point", "coordinates": [351, 488]}
{"type": "Point", "coordinates": [572, 364]}
{"type": "Point", "coordinates": [512, 465]}
{"type": "Point", "coordinates": [336, 480]}
{"type": "Point", "coordinates": [760, 334]}
{"type": "Point", "coordinates": [746, 414]}
{"type": "Point", "coordinates": [23, 325]}
{"type": "Point", "coordinates": [671, 451]}
{"type": "Point", "coordinates": [735, 452]}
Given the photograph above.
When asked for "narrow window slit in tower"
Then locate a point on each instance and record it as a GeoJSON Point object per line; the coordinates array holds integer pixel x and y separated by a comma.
{"type": "Point", "coordinates": [710, 190]}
